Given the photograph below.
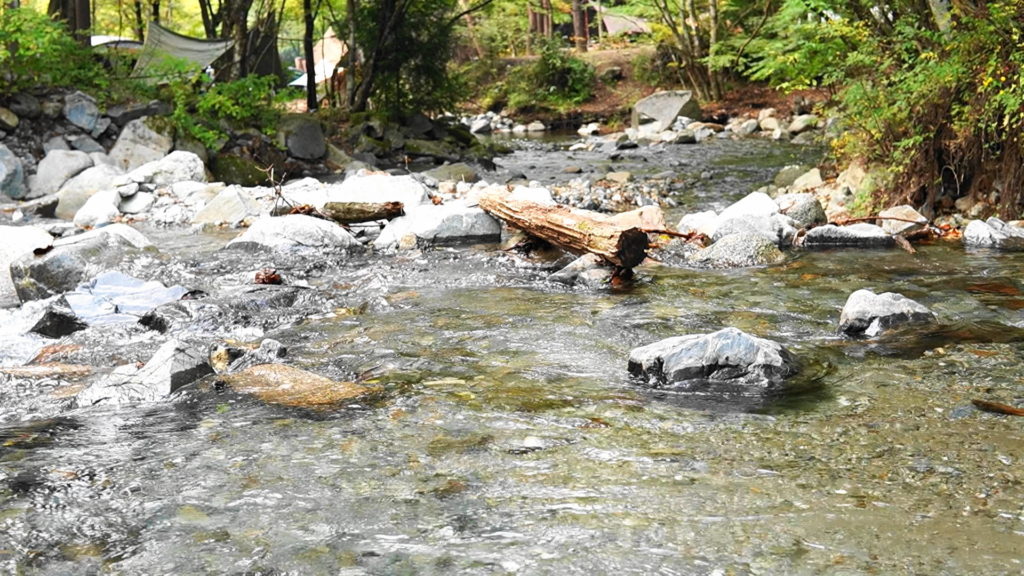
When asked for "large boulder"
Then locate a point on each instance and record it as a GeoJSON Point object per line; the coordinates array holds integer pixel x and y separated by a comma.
{"type": "Point", "coordinates": [729, 357]}
{"type": "Point", "coordinates": [869, 314]}
{"type": "Point", "coordinates": [450, 223]}
{"type": "Point", "coordinates": [776, 228]}
{"type": "Point", "coordinates": [140, 143]}
{"type": "Point", "coordinates": [294, 231]}
{"type": "Point", "coordinates": [902, 220]}
{"type": "Point", "coordinates": [861, 235]}
{"type": "Point", "coordinates": [805, 209]}
{"type": "Point", "coordinates": [665, 107]}
{"type": "Point", "coordinates": [741, 250]}
{"type": "Point", "coordinates": [55, 169]}
{"type": "Point", "coordinates": [12, 174]}
{"type": "Point", "coordinates": [18, 241]}
{"type": "Point", "coordinates": [378, 187]}
{"type": "Point", "coordinates": [73, 260]}
{"type": "Point", "coordinates": [993, 233]}
{"type": "Point", "coordinates": [100, 209]}
{"type": "Point", "coordinates": [753, 204]}
{"type": "Point", "coordinates": [178, 166]}
{"type": "Point", "coordinates": [289, 386]}
{"type": "Point", "coordinates": [303, 136]}
{"type": "Point", "coordinates": [174, 365]}
{"type": "Point", "coordinates": [77, 191]}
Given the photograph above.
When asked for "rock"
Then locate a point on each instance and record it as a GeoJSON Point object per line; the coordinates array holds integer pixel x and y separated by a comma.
{"type": "Point", "coordinates": [803, 123]}
{"type": "Point", "coordinates": [139, 143]}
{"type": "Point", "coordinates": [302, 136]}
{"type": "Point", "coordinates": [480, 125]}
{"type": "Point", "coordinates": [76, 191]}
{"type": "Point", "coordinates": [588, 271]}
{"type": "Point", "coordinates": [745, 127]}
{"type": "Point", "coordinates": [8, 120]}
{"type": "Point", "coordinates": [55, 143]}
{"type": "Point", "coordinates": [536, 126]}
{"type": "Point", "coordinates": [18, 241]}
{"type": "Point", "coordinates": [231, 207]}
{"type": "Point", "coordinates": [855, 235]}
{"type": "Point", "coordinates": [803, 208]}
{"type": "Point", "coordinates": [73, 260]}
{"type": "Point", "coordinates": [776, 228]}
{"type": "Point", "coordinates": [698, 222]}
{"type": "Point", "coordinates": [289, 386]}
{"type": "Point", "coordinates": [12, 175]}
{"type": "Point", "coordinates": [449, 223]}
{"type": "Point", "coordinates": [269, 352]}
{"type": "Point", "coordinates": [232, 169]}
{"type": "Point", "coordinates": [458, 172]}
{"type": "Point", "coordinates": [138, 203]}
{"type": "Point", "coordinates": [664, 107]}
{"type": "Point", "coordinates": [900, 225]}
{"type": "Point", "coordinates": [869, 314]}
{"type": "Point", "coordinates": [174, 365]}
{"type": "Point", "coordinates": [753, 204]}
{"type": "Point", "coordinates": [619, 178]}
{"type": "Point", "coordinates": [294, 231]}
{"type": "Point", "coordinates": [698, 361]}
{"type": "Point", "coordinates": [178, 166]}
{"type": "Point", "coordinates": [993, 233]}
{"type": "Point", "coordinates": [86, 144]}
{"type": "Point", "coordinates": [81, 110]}
{"type": "Point", "coordinates": [766, 113]}
{"type": "Point", "coordinates": [98, 210]}
{"type": "Point", "coordinates": [58, 320]}
{"type": "Point", "coordinates": [788, 174]}
{"type": "Point", "coordinates": [808, 181]}
{"type": "Point", "coordinates": [377, 187]}
{"type": "Point", "coordinates": [589, 129]}
{"type": "Point", "coordinates": [739, 250]}
{"type": "Point", "coordinates": [769, 124]}
{"type": "Point", "coordinates": [25, 105]}
{"type": "Point", "coordinates": [56, 168]}
{"type": "Point", "coordinates": [122, 114]}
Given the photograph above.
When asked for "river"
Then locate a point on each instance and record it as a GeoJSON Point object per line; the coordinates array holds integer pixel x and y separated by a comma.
{"type": "Point", "coordinates": [509, 439]}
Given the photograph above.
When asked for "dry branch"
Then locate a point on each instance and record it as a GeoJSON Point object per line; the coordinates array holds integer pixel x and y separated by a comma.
{"type": "Point", "coordinates": [354, 212]}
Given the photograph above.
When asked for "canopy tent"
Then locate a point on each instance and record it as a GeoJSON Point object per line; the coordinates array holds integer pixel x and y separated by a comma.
{"type": "Point", "coordinates": [621, 24]}
{"type": "Point", "coordinates": [325, 70]}
{"type": "Point", "coordinates": [164, 46]}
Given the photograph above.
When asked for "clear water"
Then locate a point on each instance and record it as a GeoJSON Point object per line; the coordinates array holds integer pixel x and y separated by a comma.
{"type": "Point", "coordinates": [508, 438]}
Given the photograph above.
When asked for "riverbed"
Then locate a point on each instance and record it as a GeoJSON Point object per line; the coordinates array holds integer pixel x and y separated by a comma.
{"type": "Point", "coordinates": [508, 438]}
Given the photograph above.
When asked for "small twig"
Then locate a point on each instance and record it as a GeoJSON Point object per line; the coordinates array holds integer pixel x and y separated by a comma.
{"type": "Point", "coordinates": [688, 235]}
{"type": "Point", "coordinates": [997, 408]}
{"type": "Point", "coordinates": [846, 221]}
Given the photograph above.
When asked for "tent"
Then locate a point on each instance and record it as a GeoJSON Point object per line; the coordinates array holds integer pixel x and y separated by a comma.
{"type": "Point", "coordinates": [163, 47]}
{"type": "Point", "coordinates": [325, 70]}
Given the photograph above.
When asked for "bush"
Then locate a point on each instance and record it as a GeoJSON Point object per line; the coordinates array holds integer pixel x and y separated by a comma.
{"type": "Point", "coordinates": [556, 79]}
{"type": "Point", "coordinates": [206, 111]}
{"type": "Point", "coordinates": [36, 51]}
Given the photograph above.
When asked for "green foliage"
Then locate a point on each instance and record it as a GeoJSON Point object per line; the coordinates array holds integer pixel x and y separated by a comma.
{"type": "Point", "coordinates": [206, 111]}
{"type": "Point", "coordinates": [36, 51]}
{"type": "Point", "coordinates": [557, 79]}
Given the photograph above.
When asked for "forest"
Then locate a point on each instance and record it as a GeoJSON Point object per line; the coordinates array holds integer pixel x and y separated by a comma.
{"type": "Point", "coordinates": [931, 92]}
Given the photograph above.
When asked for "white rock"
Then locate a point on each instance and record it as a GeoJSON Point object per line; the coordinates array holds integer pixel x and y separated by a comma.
{"type": "Point", "coordinates": [376, 187]}
{"type": "Point", "coordinates": [139, 144]}
{"type": "Point", "coordinates": [55, 169]}
{"type": "Point", "coordinates": [17, 242]}
{"type": "Point", "coordinates": [178, 166]}
{"type": "Point", "coordinates": [98, 210]}
{"type": "Point", "coordinates": [295, 230]}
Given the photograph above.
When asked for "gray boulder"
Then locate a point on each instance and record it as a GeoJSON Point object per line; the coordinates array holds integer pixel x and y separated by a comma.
{"type": "Point", "coordinates": [450, 223]}
{"type": "Point", "coordinates": [803, 123]}
{"type": "Point", "coordinates": [73, 260]}
{"type": "Point", "coordinates": [294, 231]}
{"type": "Point", "coordinates": [665, 107]}
{"type": "Point", "coordinates": [81, 110]}
{"type": "Point", "coordinates": [100, 209]}
{"type": "Point", "coordinates": [805, 209]}
{"type": "Point", "coordinates": [457, 172]}
{"type": "Point", "coordinates": [18, 241]}
{"type": "Point", "coordinates": [174, 365]}
{"type": "Point", "coordinates": [788, 175]}
{"type": "Point", "coordinates": [753, 204]}
{"type": "Point", "coordinates": [869, 314]}
{"type": "Point", "coordinates": [12, 174]}
{"type": "Point", "coordinates": [729, 356]}
{"type": "Point", "coordinates": [589, 271]}
{"type": "Point", "coordinates": [139, 143]}
{"type": "Point", "coordinates": [993, 233]}
{"type": "Point", "coordinates": [25, 105]}
{"type": "Point", "coordinates": [178, 166]}
{"type": "Point", "coordinates": [77, 191]}
{"type": "Point", "coordinates": [378, 187]}
{"type": "Point", "coordinates": [58, 320]}
{"type": "Point", "coordinates": [122, 114]}
{"type": "Point", "coordinates": [776, 228]}
{"type": "Point", "coordinates": [741, 250]}
{"type": "Point", "coordinates": [137, 203]}
{"type": "Point", "coordinates": [302, 136]}
{"type": "Point", "coordinates": [860, 235]}
{"type": "Point", "coordinates": [56, 168]}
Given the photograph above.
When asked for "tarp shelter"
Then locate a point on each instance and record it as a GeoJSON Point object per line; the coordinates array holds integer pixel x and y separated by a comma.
{"type": "Point", "coordinates": [620, 24]}
{"type": "Point", "coordinates": [327, 54]}
{"type": "Point", "coordinates": [324, 71]}
{"type": "Point", "coordinates": [163, 47]}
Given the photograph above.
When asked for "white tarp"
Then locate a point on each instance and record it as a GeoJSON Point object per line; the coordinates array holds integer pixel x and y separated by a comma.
{"type": "Point", "coordinates": [324, 71]}
{"type": "Point", "coordinates": [162, 45]}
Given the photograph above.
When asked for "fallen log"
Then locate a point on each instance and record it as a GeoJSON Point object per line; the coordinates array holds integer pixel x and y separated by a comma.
{"type": "Point", "coordinates": [355, 212]}
{"type": "Point", "coordinates": [576, 232]}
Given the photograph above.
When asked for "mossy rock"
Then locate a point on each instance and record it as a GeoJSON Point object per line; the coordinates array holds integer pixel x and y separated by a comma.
{"type": "Point", "coordinates": [430, 148]}
{"type": "Point", "coordinates": [232, 169]}
{"type": "Point", "coordinates": [289, 386]}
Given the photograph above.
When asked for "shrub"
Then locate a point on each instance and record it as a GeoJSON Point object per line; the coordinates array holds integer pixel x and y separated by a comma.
{"type": "Point", "coordinates": [207, 111]}
{"type": "Point", "coordinates": [556, 79]}
{"type": "Point", "coordinates": [36, 51]}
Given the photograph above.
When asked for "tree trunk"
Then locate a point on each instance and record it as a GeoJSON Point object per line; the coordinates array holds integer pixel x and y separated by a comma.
{"type": "Point", "coordinates": [579, 26]}
{"type": "Point", "coordinates": [354, 212]}
{"type": "Point", "coordinates": [307, 48]}
{"type": "Point", "coordinates": [140, 24]}
{"type": "Point", "coordinates": [576, 232]}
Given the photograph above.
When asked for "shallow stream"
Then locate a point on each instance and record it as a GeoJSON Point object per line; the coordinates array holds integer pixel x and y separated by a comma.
{"type": "Point", "coordinates": [509, 439]}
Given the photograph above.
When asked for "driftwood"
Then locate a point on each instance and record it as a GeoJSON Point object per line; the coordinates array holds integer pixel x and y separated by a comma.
{"type": "Point", "coordinates": [576, 232]}
{"type": "Point", "coordinates": [354, 212]}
